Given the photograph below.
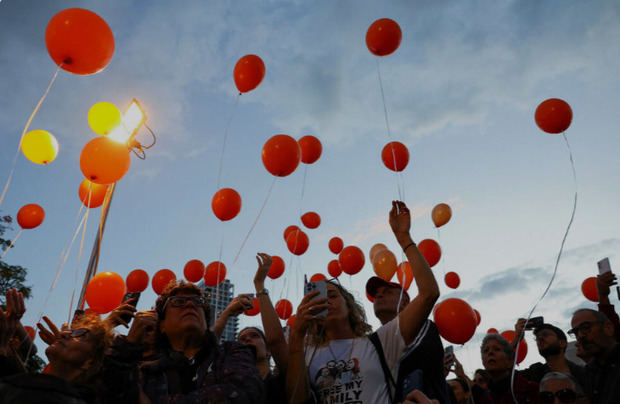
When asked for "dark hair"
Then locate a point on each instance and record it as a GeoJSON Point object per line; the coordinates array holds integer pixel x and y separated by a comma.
{"type": "Point", "coordinates": [260, 332]}
{"type": "Point", "coordinates": [506, 347]}
{"type": "Point", "coordinates": [462, 382]}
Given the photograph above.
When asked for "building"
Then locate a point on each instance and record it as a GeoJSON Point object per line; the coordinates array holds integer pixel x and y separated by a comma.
{"type": "Point", "coordinates": [219, 298]}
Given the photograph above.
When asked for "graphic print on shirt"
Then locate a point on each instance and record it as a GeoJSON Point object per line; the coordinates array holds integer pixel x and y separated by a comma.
{"type": "Point", "coordinates": [339, 381]}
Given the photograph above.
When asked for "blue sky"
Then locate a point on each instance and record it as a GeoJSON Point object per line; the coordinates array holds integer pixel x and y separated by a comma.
{"type": "Point", "coordinates": [460, 91]}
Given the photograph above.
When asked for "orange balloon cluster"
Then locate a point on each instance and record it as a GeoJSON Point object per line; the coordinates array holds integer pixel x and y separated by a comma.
{"type": "Point", "coordinates": [284, 309]}
{"type": "Point", "coordinates": [30, 216]}
{"type": "Point", "coordinates": [297, 242]}
{"type": "Point", "coordinates": [351, 260]}
{"type": "Point", "coordinates": [452, 280]}
{"type": "Point", "coordinates": [311, 220]}
{"type": "Point", "coordinates": [336, 245]}
{"type": "Point", "coordinates": [553, 115]}
{"type": "Point", "coordinates": [375, 249]}
{"type": "Point", "coordinates": [215, 273]}
{"type": "Point", "coordinates": [104, 161]}
{"type": "Point", "coordinates": [277, 267]}
{"type": "Point", "coordinates": [290, 229]}
{"type": "Point", "coordinates": [137, 281]}
{"type": "Point", "coordinates": [395, 156]}
{"type": "Point", "coordinates": [455, 320]}
{"type": "Point", "coordinates": [404, 274]}
{"type": "Point", "coordinates": [254, 310]}
{"type": "Point", "coordinates": [281, 155]}
{"type": "Point", "coordinates": [105, 292]}
{"type": "Point", "coordinates": [248, 73]}
{"type": "Point", "coordinates": [79, 41]}
{"type": "Point", "coordinates": [333, 268]}
{"type": "Point", "coordinates": [91, 194]}
{"type": "Point", "coordinates": [430, 250]}
{"type": "Point", "coordinates": [383, 37]}
{"type": "Point", "coordinates": [589, 290]}
{"type": "Point", "coordinates": [521, 350]}
{"type": "Point", "coordinates": [441, 214]}
{"type": "Point", "coordinates": [311, 149]}
{"type": "Point", "coordinates": [162, 278]}
{"type": "Point", "coordinates": [194, 270]}
{"type": "Point", "coordinates": [226, 204]}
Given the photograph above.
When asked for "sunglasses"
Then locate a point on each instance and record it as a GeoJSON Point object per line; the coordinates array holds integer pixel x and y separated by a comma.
{"type": "Point", "coordinates": [181, 301]}
{"type": "Point", "coordinates": [564, 395]}
{"type": "Point", "coordinates": [77, 333]}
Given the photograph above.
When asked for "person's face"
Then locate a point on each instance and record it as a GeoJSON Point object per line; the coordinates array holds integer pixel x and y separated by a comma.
{"type": "Point", "coordinates": [250, 336]}
{"type": "Point", "coordinates": [564, 387]}
{"type": "Point", "coordinates": [548, 343]}
{"type": "Point", "coordinates": [72, 347]}
{"type": "Point", "coordinates": [337, 309]}
{"type": "Point", "coordinates": [591, 333]}
{"type": "Point", "coordinates": [494, 358]}
{"type": "Point", "coordinates": [458, 391]}
{"type": "Point", "coordinates": [184, 314]}
{"type": "Point", "coordinates": [481, 382]}
{"type": "Point", "coordinates": [386, 299]}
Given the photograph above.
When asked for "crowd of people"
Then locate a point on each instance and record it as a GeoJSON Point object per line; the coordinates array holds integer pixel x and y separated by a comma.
{"type": "Point", "coordinates": [171, 354]}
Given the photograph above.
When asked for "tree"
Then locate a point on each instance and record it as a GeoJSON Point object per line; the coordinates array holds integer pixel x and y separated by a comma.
{"type": "Point", "coordinates": [11, 276]}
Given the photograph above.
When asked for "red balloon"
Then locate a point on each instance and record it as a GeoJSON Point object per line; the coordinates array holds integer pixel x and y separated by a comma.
{"type": "Point", "coordinates": [311, 149]}
{"type": "Point", "coordinates": [226, 204]}
{"type": "Point", "coordinates": [30, 216]}
{"type": "Point", "coordinates": [277, 267]}
{"type": "Point", "coordinates": [521, 350]}
{"type": "Point", "coordinates": [395, 156]}
{"type": "Point", "coordinates": [333, 268]}
{"type": "Point", "coordinates": [281, 155]}
{"type": "Point", "coordinates": [248, 73]}
{"type": "Point", "coordinates": [162, 278]}
{"type": "Point", "coordinates": [30, 331]}
{"type": "Point", "coordinates": [284, 309]}
{"type": "Point", "coordinates": [215, 273]}
{"type": "Point", "coordinates": [404, 273]}
{"type": "Point", "coordinates": [311, 220]}
{"type": "Point", "coordinates": [317, 277]}
{"type": "Point", "coordinates": [336, 245]}
{"type": "Point", "coordinates": [254, 310]}
{"type": "Point", "coordinates": [553, 115]}
{"type": "Point", "coordinates": [430, 250]}
{"type": "Point", "coordinates": [291, 321]}
{"type": "Point", "coordinates": [452, 280]}
{"type": "Point", "coordinates": [105, 292]}
{"type": "Point", "coordinates": [351, 260]}
{"type": "Point", "coordinates": [383, 37]}
{"type": "Point", "coordinates": [297, 242]}
{"type": "Point", "coordinates": [492, 331]}
{"type": "Point", "coordinates": [104, 161]}
{"type": "Point", "coordinates": [137, 281]}
{"type": "Point", "coordinates": [289, 229]}
{"type": "Point", "coordinates": [92, 195]}
{"type": "Point", "coordinates": [80, 40]}
{"type": "Point", "coordinates": [478, 318]}
{"type": "Point", "coordinates": [372, 299]}
{"type": "Point", "coordinates": [455, 320]}
{"type": "Point", "coordinates": [589, 290]}
{"type": "Point", "coordinates": [194, 270]}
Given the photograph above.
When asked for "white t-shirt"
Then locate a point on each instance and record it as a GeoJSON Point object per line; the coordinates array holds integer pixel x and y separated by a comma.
{"type": "Point", "coordinates": [348, 371]}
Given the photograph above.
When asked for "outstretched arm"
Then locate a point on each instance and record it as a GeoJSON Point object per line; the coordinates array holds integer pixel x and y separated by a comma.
{"type": "Point", "coordinates": [415, 314]}
{"type": "Point", "coordinates": [234, 308]}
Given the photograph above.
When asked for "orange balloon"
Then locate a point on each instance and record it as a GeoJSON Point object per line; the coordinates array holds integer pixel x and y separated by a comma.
{"type": "Point", "coordinates": [430, 250]}
{"type": "Point", "coordinates": [281, 155]}
{"type": "Point", "coordinates": [104, 161]}
{"type": "Point", "coordinates": [333, 268]}
{"type": "Point", "coordinates": [30, 331]}
{"type": "Point", "coordinates": [79, 41]}
{"type": "Point", "coordinates": [375, 249]}
{"type": "Point", "coordinates": [254, 310]}
{"type": "Point", "coordinates": [248, 73]}
{"type": "Point", "coordinates": [478, 318]}
{"type": "Point", "coordinates": [105, 292]}
{"type": "Point", "coordinates": [553, 115]}
{"type": "Point", "coordinates": [30, 216]}
{"type": "Point", "coordinates": [226, 204]}
{"type": "Point", "coordinates": [455, 320]}
{"type": "Point", "coordinates": [161, 279]}
{"type": "Point", "coordinates": [395, 156]}
{"type": "Point", "coordinates": [336, 245]}
{"type": "Point", "coordinates": [452, 280]}
{"type": "Point", "coordinates": [383, 37]}
{"type": "Point", "coordinates": [317, 277]}
{"type": "Point", "coordinates": [137, 281]}
{"type": "Point", "coordinates": [92, 195]}
{"type": "Point", "coordinates": [297, 242]}
{"type": "Point", "coordinates": [441, 214]}
{"type": "Point", "coordinates": [215, 273]}
{"type": "Point", "coordinates": [589, 290]}
{"type": "Point", "coordinates": [351, 260]}
{"type": "Point", "coordinates": [311, 149]}
{"type": "Point", "coordinates": [384, 264]}
{"type": "Point", "coordinates": [289, 229]}
{"type": "Point", "coordinates": [194, 270]}
{"type": "Point", "coordinates": [311, 220]}
{"type": "Point", "coordinates": [277, 267]}
{"type": "Point", "coordinates": [404, 274]}
{"type": "Point", "coordinates": [291, 321]}
{"type": "Point", "coordinates": [521, 350]}
{"type": "Point", "coordinates": [284, 309]}
{"type": "Point", "coordinates": [492, 331]}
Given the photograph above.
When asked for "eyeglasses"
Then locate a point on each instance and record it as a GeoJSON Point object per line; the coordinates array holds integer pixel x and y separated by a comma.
{"type": "Point", "coordinates": [180, 301]}
{"type": "Point", "coordinates": [584, 328]}
{"type": "Point", "coordinates": [77, 333]}
{"type": "Point", "coordinates": [564, 395]}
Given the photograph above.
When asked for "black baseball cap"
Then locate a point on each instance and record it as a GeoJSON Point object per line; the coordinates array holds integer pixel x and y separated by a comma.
{"type": "Point", "coordinates": [560, 334]}
{"type": "Point", "coordinates": [375, 283]}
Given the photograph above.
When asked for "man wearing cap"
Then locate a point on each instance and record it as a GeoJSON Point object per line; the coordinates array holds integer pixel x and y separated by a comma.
{"type": "Point", "coordinates": [551, 343]}
{"type": "Point", "coordinates": [425, 355]}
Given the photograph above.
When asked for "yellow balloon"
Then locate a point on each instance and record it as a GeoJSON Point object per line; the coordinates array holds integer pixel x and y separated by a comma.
{"type": "Point", "coordinates": [103, 117]}
{"type": "Point", "coordinates": [375, 249]}
{"type": "Point", "coordinates": [39, 146]}
{"type": "Point", "coordinates": [384, 264]}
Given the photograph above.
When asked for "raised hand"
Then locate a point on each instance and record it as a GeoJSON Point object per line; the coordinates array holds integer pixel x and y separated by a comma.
{"type": "Point", "coordinates": [400, 219]}
{"type": "Point", "coordinates": [48, 336]}
{"type": "Point", "coordinates": [143, 321]}
{"type": "Point", "coordinates": [264, 263]}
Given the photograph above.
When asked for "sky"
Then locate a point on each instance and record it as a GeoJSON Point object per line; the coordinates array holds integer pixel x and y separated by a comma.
{"type": "Point", "coordinates": [460, 92]}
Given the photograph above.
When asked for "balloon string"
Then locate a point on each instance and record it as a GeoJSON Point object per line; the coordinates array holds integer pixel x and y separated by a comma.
{"type": "Point", "coordinates": [219, 260]}
{"type": "Point", "coordinates": [21, 139]}
{"type": "Point", "coordinates": [443, 258]}
{"type": "Point", "coordinates": [260, 212]}
{"type": "Point", "coordinates": [232, 114]}
{"type": "Point", "coordinates": [12, 243]}
{"type": "Point", "coordinates": [557, 260]}
{"type": "Point", "coordinates": [77, 267]}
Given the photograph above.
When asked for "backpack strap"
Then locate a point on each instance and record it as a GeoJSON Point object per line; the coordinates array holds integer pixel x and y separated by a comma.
{"type": "Point", "coordinates": [389, 380]}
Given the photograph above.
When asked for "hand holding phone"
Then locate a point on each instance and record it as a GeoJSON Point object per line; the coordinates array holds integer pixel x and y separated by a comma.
{"type": "Point", "coordinates": [604, 266]}
{"type": "Point", "coordinates": [534, 322]}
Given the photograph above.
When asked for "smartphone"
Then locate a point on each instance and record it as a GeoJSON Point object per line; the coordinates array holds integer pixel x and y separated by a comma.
{"type": "Point", "coordinates": [319, 286]}
{"type": "Point", "coordinates": [448, 352]}
{"type": "Point", "coordinates": [132, 295]}
{"type": "Point", "coordinates": [603, 266]}
{"type": "Point", "coordinates": [534, 322]}
{"type": "Point", "coordinates": [413, 381]}
{"type": "Point", "coordinates": [251, 296]}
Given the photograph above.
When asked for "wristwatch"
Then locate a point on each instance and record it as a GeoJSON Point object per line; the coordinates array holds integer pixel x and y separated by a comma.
{"type": "Point", "coordinates": [264, 291]}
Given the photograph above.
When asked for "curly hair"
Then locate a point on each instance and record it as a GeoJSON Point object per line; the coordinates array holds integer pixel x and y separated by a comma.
{"type": "Point", "coordinates": [357, 318]}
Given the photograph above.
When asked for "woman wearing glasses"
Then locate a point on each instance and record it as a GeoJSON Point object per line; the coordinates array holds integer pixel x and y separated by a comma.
{"type": "Point", "coordinates": [339, 362]}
